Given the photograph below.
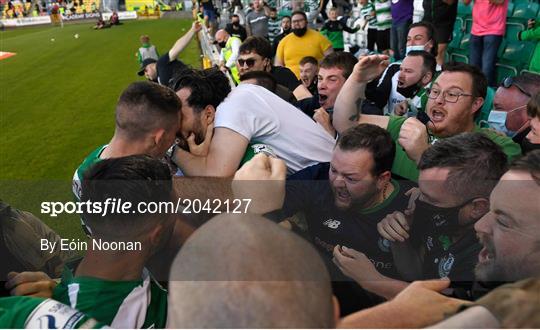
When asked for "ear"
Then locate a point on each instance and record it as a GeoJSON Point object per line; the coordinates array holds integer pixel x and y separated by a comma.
{"type": "Point", "coordinates": [158, 136]}
{"type": "Point", "coordinates": [477, 104]}
{"type": "Point", "coordinates": [383, 180]}
{"type": "Point", "coordinates": [430, 42]}
{"type": "Point", "coordinates": [335, 303]}
{"type": "Point", "coordinates": [267, 65]}
{"type": "Point", "coordinates": [479, 207]}
{"type": "Point", "coordinates": [427, 78]}
{"type": "Point", "coordinates": [154, 236]}
{"type": "Point", "coordinates": [209, 114]}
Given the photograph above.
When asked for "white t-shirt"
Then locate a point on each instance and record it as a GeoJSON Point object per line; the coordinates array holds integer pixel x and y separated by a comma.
{"type": "Point", "coordinates": [261, 116]}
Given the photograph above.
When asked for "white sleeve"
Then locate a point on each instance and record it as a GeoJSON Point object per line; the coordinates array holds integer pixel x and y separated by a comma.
{"type": "Point", "coordinates": [235, 47]}
{"type": "Point", "coordinates": [221, 56]}
{"type": "Point", "coordinates": [246, 112]}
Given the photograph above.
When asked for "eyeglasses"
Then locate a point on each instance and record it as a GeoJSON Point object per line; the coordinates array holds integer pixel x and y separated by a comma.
{"type": "Point", "coordinates": [249, 61]}
{"type": "Point", "coordinates": [448, 96]}
{"type": "Point", "coordinates": [509, 81]}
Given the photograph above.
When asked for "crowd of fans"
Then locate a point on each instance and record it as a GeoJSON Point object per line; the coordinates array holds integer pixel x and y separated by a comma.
{"type": "Point", "coordinates": [380, 195]}
{"type": "Point", "coordinates": [28, 8]}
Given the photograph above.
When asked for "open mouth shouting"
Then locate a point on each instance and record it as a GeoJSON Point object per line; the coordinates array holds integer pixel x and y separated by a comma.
{"type": "Point", "coordinates": [437, 115]}
{"type": "Point", "coordinates": [322, 99]}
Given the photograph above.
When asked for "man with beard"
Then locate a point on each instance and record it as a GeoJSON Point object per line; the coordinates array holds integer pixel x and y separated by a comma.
{"type": "Point", "coordinates": [434, 237]}
{"type": "Point", "coordinates": [255, 54]}
{"type": "Point", "coordinates": [343, 201]}
{"type": "Point", "coordinates": [235, 29]}
{"type": "Point", "coordinates": [161, 71]}
{"type": "Point", "coordinates": [454, 100]}
{"type": "Point", "coordinates": [247, 115]}
{"type": "Point", "coordinates": [302, 42]}
{"type": "Point", "coordinates": [509, 233]}
{"type": "Point", "coordinates": [402, 83]}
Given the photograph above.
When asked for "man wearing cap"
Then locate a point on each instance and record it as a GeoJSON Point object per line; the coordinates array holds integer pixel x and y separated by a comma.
{"type": "Point", "coordinates": [160, 71]}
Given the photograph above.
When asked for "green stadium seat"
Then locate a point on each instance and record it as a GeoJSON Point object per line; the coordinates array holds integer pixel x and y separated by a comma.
{"type": "Point", "coordinates": [458, 57]}
{"type": "Point", "coordinates": [486, 107]}
{"type": "Point", "coordinates": [520, 1]}
{"type": "Point", "coordinates": [502, 46]}
{"type": "Point", "coordinates": [459, 24]}
{"type": "Point", "coordinates": [503, 70]}
{"type": "Point", "coordinates": [510, 10]}
{"type": "Point", "coordinates": [456, 40]}
{"type": "Point", "coordinates": [464, 10]}
{"type": "Point", "coordinates": [512, 29]}
{"type": "Point", "coordinates": [523, 12]}
{"type": "Point", "coordinates": [518, 52]}
{"type": "Point", "coordinates": [465, 42]}
{"type": "Point", "coordinates": [461, 53]}
{"type": "Point", "coordinates": [468, 25]}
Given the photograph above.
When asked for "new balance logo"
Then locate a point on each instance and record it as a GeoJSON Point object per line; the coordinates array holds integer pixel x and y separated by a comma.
{"type": "Point", "coordinates": [331, 223]}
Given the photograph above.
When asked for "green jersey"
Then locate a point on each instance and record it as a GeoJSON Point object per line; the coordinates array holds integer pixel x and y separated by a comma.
{"type": "Point", "coordinates": [120, 304]}
{"type": "Point", "coordinates": [37, 313]}
{"type": "Point", "coordinates": [406, 167]}
{"type": "Point", "coordinates": [383, 14]}
{"type": "Point", "coordinates": [85, 165]}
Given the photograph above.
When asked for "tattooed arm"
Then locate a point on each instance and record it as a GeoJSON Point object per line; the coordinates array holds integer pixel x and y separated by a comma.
{"type": "Point", "coordinates": [347, 109]}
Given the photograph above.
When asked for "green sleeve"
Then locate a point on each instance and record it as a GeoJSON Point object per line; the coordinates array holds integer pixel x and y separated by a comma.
{"type": "Point", "coordinates": [508, 146]}
{"type": "Point", "coordinates": [532, 34]}
{"type": "Point", "coordinates": [402, 166]}
{"type": "Point", "coordinates": [394, 126]}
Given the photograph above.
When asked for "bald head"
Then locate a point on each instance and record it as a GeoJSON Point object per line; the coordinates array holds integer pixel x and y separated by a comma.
{"type": "Point", "coordinates": [243, 271]}
{"type": "Point", "coordinates": [221, 36]}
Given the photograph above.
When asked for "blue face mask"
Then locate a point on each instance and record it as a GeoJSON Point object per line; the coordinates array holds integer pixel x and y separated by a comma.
{"type": "Point", "coordinates": [497, 121]}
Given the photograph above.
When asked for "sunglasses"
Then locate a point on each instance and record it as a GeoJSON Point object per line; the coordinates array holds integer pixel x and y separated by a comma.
{"type": "Point", "coordinates": [250, 62]}
{"type": "Point", "coordinates": [509, 81]}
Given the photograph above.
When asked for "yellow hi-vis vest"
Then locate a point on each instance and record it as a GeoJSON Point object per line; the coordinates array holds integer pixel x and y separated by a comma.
{"type": "Point", "coordinates": [227, 52]}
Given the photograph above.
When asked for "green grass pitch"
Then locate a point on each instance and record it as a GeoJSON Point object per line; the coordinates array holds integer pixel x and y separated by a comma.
{"type": "Point", "coordinates": [57, 99]}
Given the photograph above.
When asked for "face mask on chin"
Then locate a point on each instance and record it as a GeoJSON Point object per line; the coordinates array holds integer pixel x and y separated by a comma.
{"type": "Point", "coordinates": [497, 121]}
{"type": "Point", "coordinates": [222, 44]}
{"type": "Point", "coordinates": [236, 24]}
{"type": "Point", "coordinates": [414, 47]}
{"type": "Point", "coordinates": [410, 91]}
{"type": "Point", "coordinates": [299, 32]}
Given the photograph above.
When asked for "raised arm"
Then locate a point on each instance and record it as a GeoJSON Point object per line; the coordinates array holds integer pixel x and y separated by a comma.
{"type": "Point", "coordinates": [223, 158]}
{"type": "Point", "coordinates": [183, 41]}
{"type": "Point", "coordinates": [347, 109]}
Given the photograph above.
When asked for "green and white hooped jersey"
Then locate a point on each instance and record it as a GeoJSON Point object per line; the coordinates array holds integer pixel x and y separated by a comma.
{"type": "Point", "coordinates": [120, 304]}
{"type": "Point", "coordinates": [23, 312]}
{"type": "Point", "coordinates": [90, 160]}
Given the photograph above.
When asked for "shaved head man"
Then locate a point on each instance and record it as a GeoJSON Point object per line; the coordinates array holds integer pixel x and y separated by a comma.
{"type": "Point", "coordinates": [271, 278]}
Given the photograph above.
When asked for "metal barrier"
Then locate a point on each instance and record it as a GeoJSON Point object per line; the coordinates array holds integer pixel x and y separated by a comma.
{"type": "Point", "coordinates": [210, 53]}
